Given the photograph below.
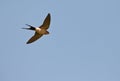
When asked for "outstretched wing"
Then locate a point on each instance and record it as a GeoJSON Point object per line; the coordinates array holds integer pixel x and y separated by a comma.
{"type": "Point", "coordinates": [46, 22]}
{"type": "Point", "coordinates": [34, 37]}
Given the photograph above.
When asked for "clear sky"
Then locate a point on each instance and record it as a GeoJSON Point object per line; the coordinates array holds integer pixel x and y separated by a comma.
{"type": "Point", "coordinates": [83, 45]}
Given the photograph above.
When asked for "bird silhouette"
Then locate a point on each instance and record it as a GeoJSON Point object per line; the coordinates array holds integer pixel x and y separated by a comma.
{"type": "Point", "coordinates": [39, 31]}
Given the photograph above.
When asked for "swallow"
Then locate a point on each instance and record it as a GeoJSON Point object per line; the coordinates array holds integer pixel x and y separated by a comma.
{"type": "Point", "coordinates": [39, 31]}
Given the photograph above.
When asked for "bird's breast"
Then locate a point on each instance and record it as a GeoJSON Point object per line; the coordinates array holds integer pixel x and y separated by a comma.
{"type": "Point", "coordinates": [40, 31]}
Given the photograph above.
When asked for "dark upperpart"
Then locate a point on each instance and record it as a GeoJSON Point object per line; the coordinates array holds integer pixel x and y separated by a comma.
{"type": "Point", "coordinates": [31, 27]}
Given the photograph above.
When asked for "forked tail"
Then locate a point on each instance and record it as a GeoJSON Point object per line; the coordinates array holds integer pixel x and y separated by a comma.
{"type": "Point", "coordinates": [31, 27]}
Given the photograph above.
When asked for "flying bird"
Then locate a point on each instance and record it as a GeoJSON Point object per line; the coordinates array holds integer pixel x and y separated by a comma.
{"type": "Point", "coordinates": [39, 31]}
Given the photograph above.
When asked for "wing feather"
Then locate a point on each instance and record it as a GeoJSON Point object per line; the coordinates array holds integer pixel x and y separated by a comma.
{"type": "Point", "coordinates": [34, 37]}
{"type": "Point", "coordinates": [46, 22]}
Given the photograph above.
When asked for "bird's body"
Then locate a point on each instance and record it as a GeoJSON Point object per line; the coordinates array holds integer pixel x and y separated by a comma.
{"type": "Point", "coordinates": [39, 31]}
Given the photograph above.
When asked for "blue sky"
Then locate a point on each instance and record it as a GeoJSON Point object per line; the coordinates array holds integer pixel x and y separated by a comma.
{"type": "Point", "coordinates": [83, 45]}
